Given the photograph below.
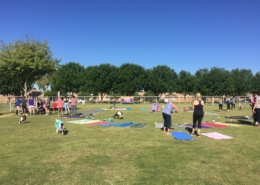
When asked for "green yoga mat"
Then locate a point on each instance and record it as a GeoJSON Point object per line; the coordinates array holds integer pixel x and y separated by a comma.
{"type": "Point", "coordinates": [230, 124]}
{"type": "Point", "coordinates": [138, 125]}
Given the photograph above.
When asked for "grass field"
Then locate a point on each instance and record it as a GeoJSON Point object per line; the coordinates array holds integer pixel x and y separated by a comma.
{"type": "Point", "coordinates": [32, 153]}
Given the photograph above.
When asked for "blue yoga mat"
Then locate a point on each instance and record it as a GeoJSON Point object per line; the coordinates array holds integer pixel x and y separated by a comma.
{"type": "Point", "coordinates": [125, 124]}
{"type": "Point", "coordinates": [181, 135]}
{"type": "Point", "coordinates": [138, 125]}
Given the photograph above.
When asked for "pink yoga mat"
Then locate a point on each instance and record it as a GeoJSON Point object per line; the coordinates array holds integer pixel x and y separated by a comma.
{"type": "Point", "coordinates": [214, 125]}
{"type": "Point", "coordinates": [97, 123]}
{"type": "Point", "coordinates": [215, 135]}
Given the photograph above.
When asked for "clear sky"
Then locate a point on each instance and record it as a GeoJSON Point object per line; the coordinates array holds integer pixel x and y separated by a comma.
{"type": "Point", "coordinates": [182, 34]}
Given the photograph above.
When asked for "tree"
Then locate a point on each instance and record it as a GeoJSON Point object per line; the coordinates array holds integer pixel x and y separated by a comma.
{"type": "Point", "coordinates": [162, 79]}
{"type": "Point", "coordinates": [131, 78]}
{"type": "Point", "coordinates": [241, 80]}
{"type": "Point", "coordinates": [186, 82]}
{"type": "Point", "coordinates": [100, 79]}
{"type": "Point", "coordinates": [44, 82]}
{"type": "Point", "coordinates": [9, 86]}
{"type": "Point", "coordinates": [217, 81]}
{"type": "Point", "coordinates": [255, 83]}
{"type": "Point", "coordinates": [68, 78]}
{"type": "Point", "coordinates": [26, 61]}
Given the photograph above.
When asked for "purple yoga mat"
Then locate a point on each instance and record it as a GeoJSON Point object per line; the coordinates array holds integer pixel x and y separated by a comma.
{"type": "Point", "coordinates": [202, 126]}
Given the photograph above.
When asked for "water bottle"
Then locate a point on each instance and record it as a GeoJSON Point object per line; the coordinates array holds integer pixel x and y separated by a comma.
{"type": "Point", "coordinates": [213, 121]}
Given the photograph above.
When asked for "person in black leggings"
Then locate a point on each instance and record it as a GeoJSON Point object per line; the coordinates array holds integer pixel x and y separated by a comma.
{"type": "Point", "coordinates": [198, 113]}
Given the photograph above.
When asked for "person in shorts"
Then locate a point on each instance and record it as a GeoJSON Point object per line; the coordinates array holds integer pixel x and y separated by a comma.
{"type": "Point", "coordinates": [47, 106]}
{"type": "Point", "coordinates": [54, 106]}
{"type": "Point", "coordinates": [31, 105]}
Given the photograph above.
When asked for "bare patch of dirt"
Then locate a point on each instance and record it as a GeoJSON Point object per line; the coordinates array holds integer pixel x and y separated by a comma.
{"type": "Point", "coordinates": [5, 115]}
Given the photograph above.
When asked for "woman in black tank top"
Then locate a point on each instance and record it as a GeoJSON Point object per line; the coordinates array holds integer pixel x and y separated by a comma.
{"type": "Point", "coordinates": [198, 113]}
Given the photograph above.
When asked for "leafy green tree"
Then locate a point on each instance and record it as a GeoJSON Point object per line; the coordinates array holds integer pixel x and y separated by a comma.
{"type": "Point", "coordinates": [203, 86]}
{"type": "Point", "coordinates": [162, 79]}
{"type": "Point", "coordinates": [26, 61]}
{"type": "Point", "coordinates": [242, 80]}
{"type": "Point", "coordinates": [185, 83]}
{"type": "Point", "coordinates": [44, 82]}
{"type": "Point", "coordinates": [9, 86]}
{"type": "Point", "coordinates": [68, 78]}
{"type": "Point", "coordinates": [255, 83]}
{"type": "Point", "coordinates": [100, 79]}
{"type": "Point", "coordinates": [217, 78]}
{"type": "Point", "coordinates": [131, 78]}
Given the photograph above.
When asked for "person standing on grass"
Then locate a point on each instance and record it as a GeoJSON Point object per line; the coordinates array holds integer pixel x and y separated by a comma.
{"type": "Point", "coordinates": [73, 104]}
{"type": "Point", "coordinates": [59, 105]}
{"type": "Point", "coordinates": [24, 105]}
{"type": "Point", "coordinates": [220, 104]}
{"type": "Point", "coordinates": [228, 102]}
{"type": "Point", "coordinates": [256, 109]}
{"type": "Point", "coordinates": [252, 104]}
{"type": "Point", "coordinates": [47, 107]}
{"type": "Point", "coordinates": [66, 105]}
{"type": "Point", "coordinates": [17, 105]}
{"type": "Point", "coordinates": [54, 106]}
{"type": "Point", "coordinates": [114, 102]}
{"type": "Point", "coordinates": [233, 103]}
{"type": "Point", "coordinates": [31, 105]}
{"type": "Point", "coordinates": [167, 115]}
{"type": "Point", "coordinates": [198, 114]}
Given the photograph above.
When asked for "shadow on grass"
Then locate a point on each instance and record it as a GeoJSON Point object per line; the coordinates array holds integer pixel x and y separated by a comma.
{"type": "Point", "coordinates": [189, 129]}
{"type": "Point", "coordinates": [244, 122]}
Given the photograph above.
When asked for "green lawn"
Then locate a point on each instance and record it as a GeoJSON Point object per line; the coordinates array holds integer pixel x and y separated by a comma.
{"type": "Point", "coordinates": [32, 153]}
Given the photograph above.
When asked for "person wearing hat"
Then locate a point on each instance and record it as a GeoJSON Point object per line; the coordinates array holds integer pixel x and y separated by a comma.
{"type": "Point", "coordinates": [198, 113]}
{"type": "Point", "coordinates": [167, 115]}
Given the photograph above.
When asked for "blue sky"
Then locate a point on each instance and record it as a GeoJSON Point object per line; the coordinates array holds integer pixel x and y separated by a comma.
{"type": "Point", "coordinates": [182, 34]}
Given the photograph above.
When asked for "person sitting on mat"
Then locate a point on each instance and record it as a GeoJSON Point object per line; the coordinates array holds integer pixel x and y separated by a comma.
{"type": "Point", "coordinates": [166, 113]}
{"type": "Point", "coordinates": [198, 113]}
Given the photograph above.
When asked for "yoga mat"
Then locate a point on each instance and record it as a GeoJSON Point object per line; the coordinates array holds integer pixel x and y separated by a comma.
{"type": "Point", "coordinates": [179, 125]}
{"type": "Point", "coordinates": [124, 124]}
{"type": "Point", "coordinates": [97, 123]}
{"type": "Point", "coordinates": [230, 124]}
{"type": "Point", "coordinates": [202, 126]}
{"type": "Point", "coordinates": [238, 117]}
{"type": "Point", "coordinates": [81, 116]}
{"type": "Point", "coordinates": [85, 121]}
{"type": "Point", "coordinates": [144, 108]}
{"type": "Point", "coordinates": [213, 114]}
{"type": "Point", "coordinates": [123, 109]}
{"type": "Point", "coordinates": [214, 125]}
{"type": "Point", "coordinates": [181, 135]}
{"type": "Point", "coordinates": [159, 125]}
{"type": "Point", "coordinates": [109, 124]}
{"type": "Point", "coordinates": [215, 135]}
{"type": "Point", "coordinates": [138, 125]}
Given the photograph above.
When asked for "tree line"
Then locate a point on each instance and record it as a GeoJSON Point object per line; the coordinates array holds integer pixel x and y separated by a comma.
{"type": "Point", "coordinates": [24, 63]}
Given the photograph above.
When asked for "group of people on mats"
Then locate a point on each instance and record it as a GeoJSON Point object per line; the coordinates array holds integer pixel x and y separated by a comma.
{"type": "Point", "coordinates": [198, 113]}
{"type": "Point", "coordinates": [197, 107]}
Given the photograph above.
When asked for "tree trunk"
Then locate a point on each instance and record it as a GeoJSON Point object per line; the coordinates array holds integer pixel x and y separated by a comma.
{"type": "Point", "coordinates": [25, 89]}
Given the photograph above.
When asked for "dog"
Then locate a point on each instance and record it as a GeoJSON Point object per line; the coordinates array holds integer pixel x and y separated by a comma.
{"type": "Point", "coordinates": [22, 119]}
{"type": "Point", "coordinates": [119, 115]}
